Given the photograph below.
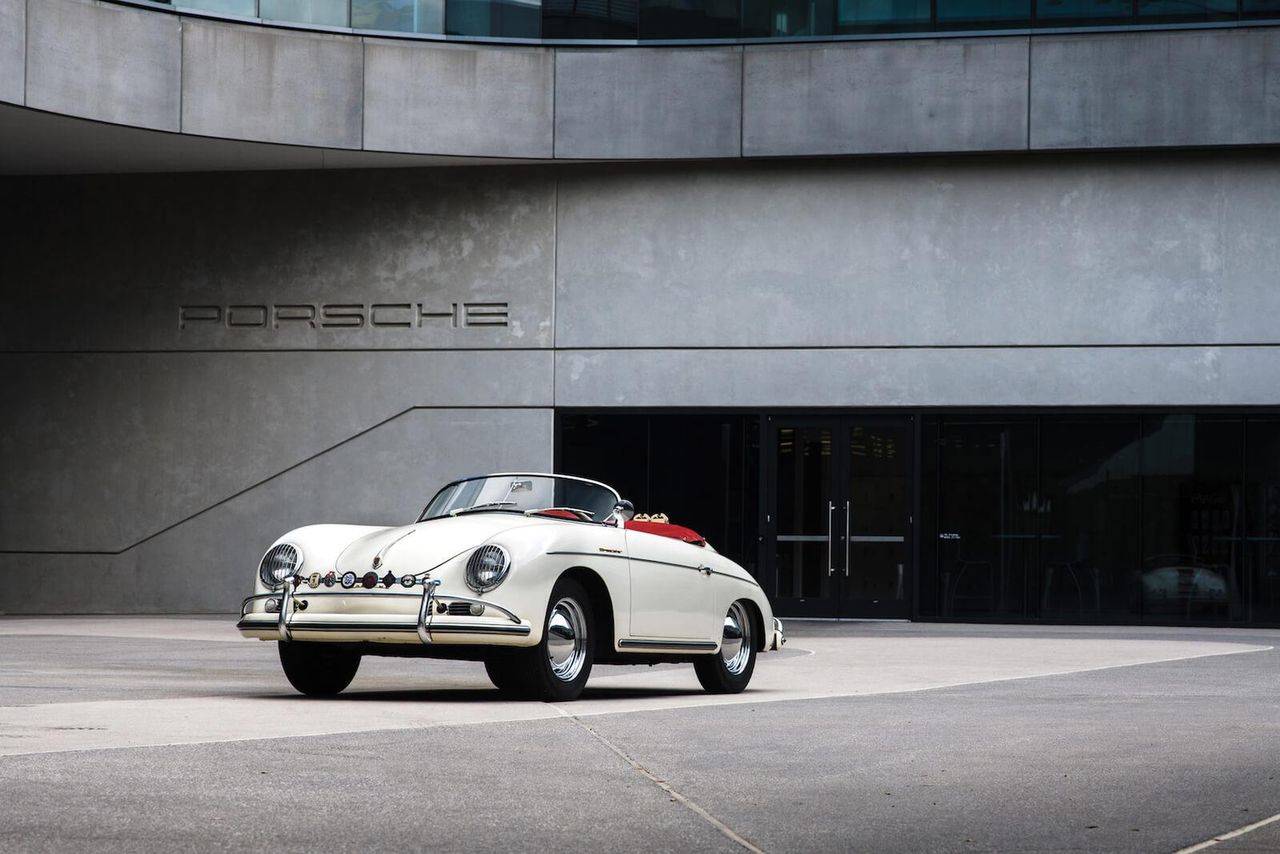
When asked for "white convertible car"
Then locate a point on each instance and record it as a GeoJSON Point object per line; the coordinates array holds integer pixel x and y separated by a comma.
{"type": "Point", "coordinates": [536, 575]}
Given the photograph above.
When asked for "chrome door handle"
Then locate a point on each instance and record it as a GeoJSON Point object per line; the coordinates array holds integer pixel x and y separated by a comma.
{"type": "Point", "coordinates": [705, 570]}
{"type": "Point", "coordinates": [831, 508]}
{"type": "Point", "coordinates": [848, 535]}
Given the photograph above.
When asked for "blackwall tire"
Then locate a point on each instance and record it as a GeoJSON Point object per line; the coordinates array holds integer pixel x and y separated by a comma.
{"type": "Point", "coordinates": [504, 674]}
{"type": "Point", "coordinates": [556, 670]}
{"type": "Point", "coordinates": [729, 671]}
{"type": "Point", "coordinates": [317, 669]}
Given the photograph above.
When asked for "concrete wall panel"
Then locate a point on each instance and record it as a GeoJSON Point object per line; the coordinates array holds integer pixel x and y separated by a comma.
{"type": "Point", "coordinates": [1207, 87]}
{"type": "Point", "coordinates": [1183, 376]}
{"type": "Point", "coordinates": [1108, 250]}
{"type": "Point", "coordinates": [648, 103]}
{"type": "Point", "coordinates": [108, 450]}
{"type": "Point", "coordinates": [13, 51]}
{"type": "Point", "coordinates": [384, 476]}
{"type": "Point", "coordinates": [877, 97]}
{"type": "Point", "coordinates": [105, 62]}
{"type": "Point", "coordinates": [271, 85]}
{"type": "Point", "coordinates": [479, 101]}
{"type": "Point", "coordinates": [447, 243]}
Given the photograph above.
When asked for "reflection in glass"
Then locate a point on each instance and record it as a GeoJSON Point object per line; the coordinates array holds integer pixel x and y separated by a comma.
{"type": "Point", "coordinates": [405, 16]}
{"type": "Point", "coordinates": [1262, 525]}
{"type": "Point", "coordinates": [590, 19]}
{"type": "Point", "coordinates": [1260, 8]}
{"type": "Point", "coordinates": [1191, 470]}
{"type": "Point", "coordinates": [1089, 523]}
{"type": "Point", "coordinates": [879, 494]}
{"type": "Point", "coordinates": [515, 19]}
{"type": "Point", "coordinates": [247, 8]}
{"type": "Point", "coordinates": [1058, 11]}
{"type": "Point", "coordinates": [774, 18]}
{"type": "Point", "coordinates": [988, 13]}
{"type": "Point", "coordinates": [688, 19]}
{"type": "Point", "coordinates": [874, 16]}
{"type": "Point", "coordinates": [328, 13]}
{"type": "Point", "coordinates": [987, 515]}
{"type": "Point", "coordinates": [1187, 10]}
{"type": "Point", "coordinates": [804, 466]}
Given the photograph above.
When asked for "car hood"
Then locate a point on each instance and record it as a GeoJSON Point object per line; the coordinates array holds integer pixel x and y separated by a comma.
{"type": "Point", "coordinates": [423, 545]}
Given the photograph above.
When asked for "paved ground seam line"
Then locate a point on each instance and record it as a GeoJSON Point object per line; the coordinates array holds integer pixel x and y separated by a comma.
{"type": "Point", "coordinates": [683, 800]}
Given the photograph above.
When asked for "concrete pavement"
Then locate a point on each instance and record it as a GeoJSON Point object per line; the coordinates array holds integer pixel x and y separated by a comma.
{"type": "Point", "coordinates": [144, 733]}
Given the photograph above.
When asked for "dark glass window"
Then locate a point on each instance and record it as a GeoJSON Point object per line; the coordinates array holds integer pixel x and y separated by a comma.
{"type": "Point", "coordinates": [966, 14]}
{"type": "Point", "coordinates": [877, 16]}
{"type": "Point", "coordinates": [406, 16]}
{"type": "Point", "coordinates": [329, 13]}
{"type": "Point", "coordinates": [1260, 8]}
{"type": "Point", "coordinates": [1262, 513]}
{"type": "Point", "coordinates": [777, 18]}
{"type": "Point", "coordinates": [1090, 530]}
{"type": "Point", "coordinates": [1192, 517]}
{"type": "Point", "coordinates": [1058, 12]}
{"type": "Point", "coordinates": [497, 18]}
{"type": "Point", "coordinates": [1187, 10]}
{"type": "Point", "coordinates": [701, 470]}
{"type": "Point", "coordinates": [689, 19]}
{"type": "Point", "coordinates": [590, 19]}
{"type": "Point", "coordinates": [987, 516]}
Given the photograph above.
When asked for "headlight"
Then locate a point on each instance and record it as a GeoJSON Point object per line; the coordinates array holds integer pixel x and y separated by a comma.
{"type": "Point", "coordinates": [280, 563]}
{"type": "Point", "coordinates": [487, 568]}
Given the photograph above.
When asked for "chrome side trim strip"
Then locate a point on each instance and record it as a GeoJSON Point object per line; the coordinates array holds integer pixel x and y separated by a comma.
{"type": "Point", "coordinates": [666, 644]}
{"type": "Point", "coordinates": [749, 580]}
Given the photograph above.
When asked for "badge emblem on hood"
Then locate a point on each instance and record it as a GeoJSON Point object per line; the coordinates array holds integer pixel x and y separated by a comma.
{"type": "Point", "coordinates": [377, 561]}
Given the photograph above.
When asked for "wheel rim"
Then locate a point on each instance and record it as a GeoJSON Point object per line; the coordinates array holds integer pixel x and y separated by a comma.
{"type": "Point", "coordinates": [735, 642]}
{"type": "Point", "coordinates": [566, 639]}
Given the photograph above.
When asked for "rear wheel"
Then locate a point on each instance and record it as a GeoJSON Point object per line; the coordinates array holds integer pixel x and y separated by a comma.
{"type": "Point", "coordinates": [317, 669]}
{"type": "Point", "coordinates": [730, 670]}
{"type": "Point", "coordinates": [557, 668]}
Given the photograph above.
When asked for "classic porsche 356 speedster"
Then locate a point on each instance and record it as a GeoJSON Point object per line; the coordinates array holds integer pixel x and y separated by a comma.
{"type": "Point", "coordinates": [537, 575]}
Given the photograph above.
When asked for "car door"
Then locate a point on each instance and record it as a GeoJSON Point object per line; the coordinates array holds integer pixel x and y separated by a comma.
{"type": "Point", "coordinates": [670, 592]}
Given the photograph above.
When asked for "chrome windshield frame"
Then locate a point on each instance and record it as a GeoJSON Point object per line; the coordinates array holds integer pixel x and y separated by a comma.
{"type": "Point", "coordinates": [423, 517]}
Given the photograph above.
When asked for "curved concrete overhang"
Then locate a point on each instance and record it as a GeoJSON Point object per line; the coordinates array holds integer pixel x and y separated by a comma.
{"type": "Point", "coordinates": [359, 100]}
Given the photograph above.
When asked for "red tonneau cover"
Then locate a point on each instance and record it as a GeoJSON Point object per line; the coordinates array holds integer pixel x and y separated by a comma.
{"type": "Point", "coordinates": [666, 529]}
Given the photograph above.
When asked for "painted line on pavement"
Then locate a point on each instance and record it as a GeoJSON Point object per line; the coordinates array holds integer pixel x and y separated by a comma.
{"type": "Point", "coordinates": [1225, 837]}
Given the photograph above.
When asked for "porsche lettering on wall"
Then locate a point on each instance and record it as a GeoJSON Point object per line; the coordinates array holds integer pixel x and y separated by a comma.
{"type": "Point", "coordinates": [537, 575]}
{"type": "Point", "coordinates": [378, 315]}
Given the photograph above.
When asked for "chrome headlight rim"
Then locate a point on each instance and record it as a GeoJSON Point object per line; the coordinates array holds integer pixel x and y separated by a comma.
{"type": "Point", "coordinates": [269, 573]}
{"type": "Point", "coordinates": [482, 555]}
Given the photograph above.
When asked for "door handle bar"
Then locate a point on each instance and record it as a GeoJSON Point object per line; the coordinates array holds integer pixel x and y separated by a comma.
{"type": "Point", "coordinates": [831, 508]}
{"type": "Point", "coordinates": [848, 535]}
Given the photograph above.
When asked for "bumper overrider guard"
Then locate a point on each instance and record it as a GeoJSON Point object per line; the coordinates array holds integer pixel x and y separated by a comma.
{"type": "Point", "coordinates": [424, 625]}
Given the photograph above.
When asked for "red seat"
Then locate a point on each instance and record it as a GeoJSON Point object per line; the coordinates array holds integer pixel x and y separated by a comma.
{"type": "Point", "coordinates": [666, 529]}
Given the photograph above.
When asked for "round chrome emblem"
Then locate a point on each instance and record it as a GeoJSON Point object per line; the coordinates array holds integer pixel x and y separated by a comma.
{"type": "Point", "coordinates": [348, 580]}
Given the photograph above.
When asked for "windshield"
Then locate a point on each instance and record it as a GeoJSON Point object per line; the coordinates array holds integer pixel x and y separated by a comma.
{"type": "Point", "coordinates": [521, 492]}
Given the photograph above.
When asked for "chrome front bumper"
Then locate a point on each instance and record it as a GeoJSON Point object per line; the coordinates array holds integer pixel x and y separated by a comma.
{"type": "Point", "coordinates": [779, 637]}
{"type": "Point", "coordinates": [290, 616]}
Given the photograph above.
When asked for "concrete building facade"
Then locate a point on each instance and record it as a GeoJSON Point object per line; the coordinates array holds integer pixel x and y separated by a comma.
{"type": "Point", "coordinates": [1008, 296]}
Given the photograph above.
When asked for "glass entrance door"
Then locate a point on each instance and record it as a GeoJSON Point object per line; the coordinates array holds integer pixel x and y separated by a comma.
{"type": "Point", "coordinates": [837, 520]}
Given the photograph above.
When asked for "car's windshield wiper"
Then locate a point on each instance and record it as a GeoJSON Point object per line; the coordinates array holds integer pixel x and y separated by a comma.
{"type": "Point", "coordinates": [488, 505]}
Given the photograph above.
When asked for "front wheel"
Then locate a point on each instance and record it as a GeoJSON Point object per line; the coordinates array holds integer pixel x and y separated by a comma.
{"type": "Point", "coordinates": [730, 670]}
{"type": "Point", "coordinates": [318, 669]}
{"type": "Point", "coordinates": [557, 668]}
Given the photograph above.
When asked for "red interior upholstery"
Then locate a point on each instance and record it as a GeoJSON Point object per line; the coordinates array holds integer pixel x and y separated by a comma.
{"type": "Point", "coordinates": [563, 514]}
{"type": "Point", "coordinates": [666, 529]}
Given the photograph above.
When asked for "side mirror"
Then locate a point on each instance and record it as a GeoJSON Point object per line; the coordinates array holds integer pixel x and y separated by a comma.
{"type": "Point", "coordinates": [624, 511]}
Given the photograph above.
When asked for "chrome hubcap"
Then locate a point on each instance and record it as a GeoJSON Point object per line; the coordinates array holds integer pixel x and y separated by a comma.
{"type": "Point", "coordinates": [566, 639]}
{"type": "Point", "coordinates": [735, 643]}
